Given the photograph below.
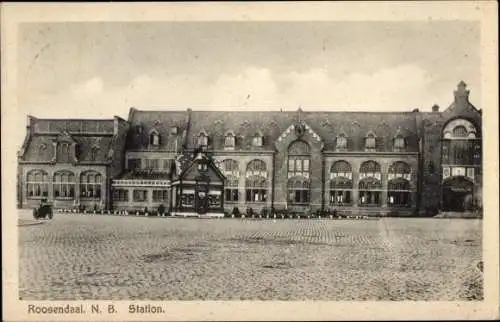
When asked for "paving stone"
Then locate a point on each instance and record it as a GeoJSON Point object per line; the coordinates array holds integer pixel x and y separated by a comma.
{"type": "Point", "coordinates": [113, 257]}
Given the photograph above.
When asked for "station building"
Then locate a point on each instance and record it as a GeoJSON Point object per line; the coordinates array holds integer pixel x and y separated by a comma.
{"type": "Point", "coordinates": [213, 161]}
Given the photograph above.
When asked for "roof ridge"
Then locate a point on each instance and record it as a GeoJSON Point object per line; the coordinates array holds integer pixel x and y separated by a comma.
{"type": "Point", "coordinates": [277, 112]}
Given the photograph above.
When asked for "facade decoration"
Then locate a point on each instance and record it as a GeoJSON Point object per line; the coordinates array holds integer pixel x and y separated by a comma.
{"type": "Point", "coordinates": [206, 162]}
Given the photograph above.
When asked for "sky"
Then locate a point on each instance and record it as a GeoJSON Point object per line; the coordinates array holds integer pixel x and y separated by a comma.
{"type": "Point", "coordinates": [93, 69]}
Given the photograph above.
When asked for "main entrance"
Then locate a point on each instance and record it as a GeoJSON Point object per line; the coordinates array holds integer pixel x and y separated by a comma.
{"type": "Point", "coordinates": [458, 194]}
{"type": "Point", "coordinates": [201, 199]}
{"type": "Point", "coordinates": [199, 188]}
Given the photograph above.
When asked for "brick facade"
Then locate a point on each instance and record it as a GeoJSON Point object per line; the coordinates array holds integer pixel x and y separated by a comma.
{"type": "Point", "coordinates": [159, 138]}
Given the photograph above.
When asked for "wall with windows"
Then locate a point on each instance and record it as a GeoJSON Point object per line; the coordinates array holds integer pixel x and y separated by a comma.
{"type": "Point", "coordinates": [137, 197]}
{"type": "Point", "coordinates": [64, 185]}
{"type": "Point", "coordinates": [159, 161]}
{"type": "Point", "coordinates": [249, 180]}
{"type": "Point", "coordinates": [366, 182]}
{"type": "Point", "coordinates": [299, 171]}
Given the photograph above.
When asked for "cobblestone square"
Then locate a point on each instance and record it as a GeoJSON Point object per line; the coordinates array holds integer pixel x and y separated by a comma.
{"type": "Point", "coordinates": [102, 257]}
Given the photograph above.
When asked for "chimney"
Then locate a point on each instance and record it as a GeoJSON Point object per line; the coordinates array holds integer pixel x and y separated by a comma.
{"type": "Point", "coordinates": [435, 108]}
{"type": "Point", "coordinates": [461, 95]}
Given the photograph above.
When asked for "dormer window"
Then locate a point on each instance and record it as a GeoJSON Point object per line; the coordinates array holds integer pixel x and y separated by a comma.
{"type": "Point", "coordinates": [203, 140]}
{"type": "Point", "coordinates": [93, 153]}
{"type": "Point", "coordinates": [399, 143]}
{"type": "Point", "coordinates": [229, 140]}
{"type": "Point", "coordinates": [341, 142]}
{"type": "Point", "coordinates": [257, 140]}
{"type": "Point", "coordinates": [370, 142]}
{"type": "Point", "coordinates": [154, 138]}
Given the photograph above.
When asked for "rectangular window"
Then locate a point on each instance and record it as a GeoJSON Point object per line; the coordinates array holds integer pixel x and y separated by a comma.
{"type": "Point", "coordinates": [160, 195]}
{"type": "Point", "coordinates": [38, 189]}
{"type": "Point", "coordinates": [340, 197]}
{"type": "Point", "coordinates": [256, 195]}
{"type": "Point", "coordinates": [214, 201]}
{"type": "Point", "coordinates": [134, 164]}
{"type": "Point", "coordinates": [398, 199]}
{"type": "Point", "coordinates": [187, 199]}
{"type": "Point", "coordinates": [166, 163]}
{"type": "Point", "coordinates": [369, 198]}
{"type": "Point", "coordinates": [298, 196]}
{"type": "Point", "coordinates": [140, 195]}
{"type": "Point", "coordinates": [151, 163]}
{"type": "Point", "coordinates": [120, 195]}
{"type": "Point", "coordinates": [298, 165]}
{"type": "Point", "coordinates": [257, 141]}
{"type": "Point", "coordinates": [231, 194]}
{"type": "Point", "coordinates": [229, 141]}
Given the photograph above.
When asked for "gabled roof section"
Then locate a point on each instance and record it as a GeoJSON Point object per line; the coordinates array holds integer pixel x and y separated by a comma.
{"type": "Point", "coordinates": [202, 158]}
{"type": "Point", "coordinates": [169, 125]}
{"type": "Point", "coordinates": [85, 133]}
{"type": "Point", "coordinates": [64, 136]}
{"type": "Point", "coordinates": [272, 124]}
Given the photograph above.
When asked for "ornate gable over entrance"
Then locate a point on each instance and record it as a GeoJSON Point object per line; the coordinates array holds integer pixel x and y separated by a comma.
{"type": "Point", "coordinates": [299, 130]}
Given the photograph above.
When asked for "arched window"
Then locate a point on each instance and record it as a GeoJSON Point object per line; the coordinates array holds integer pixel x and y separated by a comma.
{"type": "Point", "coordinates": [460, 132]}
{"type": "Point", "coordinates": [37, 184]}
{"type": "Point", "coordinates": [399, 193]}
{"type": "Point", "coordinates": [154, 138]}
{"type": "Point", "coordinates": [341, 183]}
{"type": "Point", "coordinates": [460, 144]}
{"type": "Point", "coordinates": [229, 140]}
{"type": "Point", "coordinates": [298, 191]}
{"type": "Point", "coordinates": [370, 142]}
{"type": "Point", "coordinates": [64, 185]}
{"type": "Point", "coordinates": [341, 169]}
{"type": "Point", "coordinates": [90, 185]}
{"type": "Point", "coordinates": [341, 142]}
{"type": "Point", "coordinates": [230, 167]}
{"type": "Point", "coordinates": [64, 152]}
{"type": "Point", "coordinates": [399, 143]}
{"type": "Point", "coordinates": [370, 169]}
{"type": "Point", "coordinates": [399, 169]}
{"type": "Point", "coordinates": [370, 192]}
{"type": "Point", "coordinates": [256, 167]}
{"type": "Point", "coordinates": [256, 184]}
{"type": "Point", "coordinates": [298, 159]}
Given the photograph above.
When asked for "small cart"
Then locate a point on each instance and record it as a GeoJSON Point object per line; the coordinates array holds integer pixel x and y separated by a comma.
{"type": "Point", "coordinates": [43, 211]}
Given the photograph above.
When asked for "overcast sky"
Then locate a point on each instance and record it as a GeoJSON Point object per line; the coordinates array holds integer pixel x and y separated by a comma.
{"type": "Point", "coordinates": [102, 69]}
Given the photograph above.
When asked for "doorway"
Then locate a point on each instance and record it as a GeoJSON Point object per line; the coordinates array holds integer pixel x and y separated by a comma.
{"type": "Point", "coordinates": [457, 194]}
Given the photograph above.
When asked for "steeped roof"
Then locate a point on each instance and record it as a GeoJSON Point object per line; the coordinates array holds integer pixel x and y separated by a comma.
{"type": "Point", "coordinates": [87, 134]}
{"type": "Point", "coordinates": [40, 148]}
{"type": "Point", "coordinates": [328, 125]}
{"type": "Point", "coordinates": [170, 125]}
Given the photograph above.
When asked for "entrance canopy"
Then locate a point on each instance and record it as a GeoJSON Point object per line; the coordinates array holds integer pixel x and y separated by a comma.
{"type": "Point", "coordinates": [199, 187]}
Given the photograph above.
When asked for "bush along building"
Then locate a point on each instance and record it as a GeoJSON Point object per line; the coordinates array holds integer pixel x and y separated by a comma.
{"type": "Point", "coordinates": [203, 162]}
